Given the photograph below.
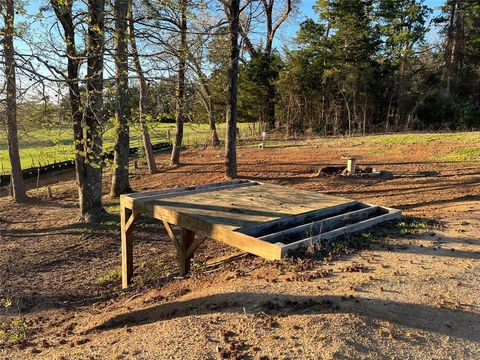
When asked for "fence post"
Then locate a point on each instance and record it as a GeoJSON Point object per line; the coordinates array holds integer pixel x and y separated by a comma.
{"type": "Point", "coordinates": [38, 178]}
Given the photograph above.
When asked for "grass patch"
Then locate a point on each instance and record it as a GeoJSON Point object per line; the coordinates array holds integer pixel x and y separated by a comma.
{"type": "Point", "coordinates": [110, 223]}
{"type": "Point", "coordinates": [467, 154]}
{"type": "Point", "coordinates": [386, 234]}
{"type": "Point", "coordinates": [403, 139]}
{"type": "Point", "coordinates": [110, 277]}
{"type": "Point", "coordinates": [46, 146]}
{"type": "Point", "coordinates": [12, 329]}
{"type": "Point", "coordinates": [412, 226]}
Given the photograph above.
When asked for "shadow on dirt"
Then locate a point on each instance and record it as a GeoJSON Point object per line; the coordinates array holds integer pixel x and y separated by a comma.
{"type": "Point", "coordinates": [457, 323]}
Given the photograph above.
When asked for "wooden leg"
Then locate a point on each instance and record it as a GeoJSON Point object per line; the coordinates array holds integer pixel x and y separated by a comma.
{"type": "Point", "coordinates": [351, 165]}
{"type": "Point", "coordinates": [186, 240]}
{"type": "Point", "coordinates": [127, 219]}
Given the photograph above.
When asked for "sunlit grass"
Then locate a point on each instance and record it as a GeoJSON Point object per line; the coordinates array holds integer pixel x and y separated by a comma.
{"type": "Point", "coordinates": [109, 277]}
{"type": "Point", "coordinates": [46, 146]}
{"type": "Point", "coordinates": [467, 154]}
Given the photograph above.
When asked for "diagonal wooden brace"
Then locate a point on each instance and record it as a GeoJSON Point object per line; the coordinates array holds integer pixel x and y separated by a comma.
{"type": "Point", "coordinates": [194, 246]}
{"type": "Point", "coordinates": [171, 235]}
{"type": "Point", "coordinates": [185, 247]}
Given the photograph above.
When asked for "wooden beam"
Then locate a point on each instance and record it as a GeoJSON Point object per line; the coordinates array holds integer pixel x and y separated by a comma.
{"type": "Point", "coordinates": [131, 220]}
{"type": "Point", "coordinates": [195, 190]}
{"type": "Point", "coordinates": [127, 219]}
{"type": "Point", "coordinates": [275, 225]}
{"type": "Point", "coordinates": [187, 239]}
{"type": "Point", "coordinates": [320, 226]}
{"type": "Point", "coordinates": [171, 235]}
{"type": "Point", "coordinates": [392, 214]}
{"type": "Point", "coordinates": [217, 232]}
{"type": "Point", "coordinates": [198, 241]}
{"type": "Point", "coordinates": [190, 188]}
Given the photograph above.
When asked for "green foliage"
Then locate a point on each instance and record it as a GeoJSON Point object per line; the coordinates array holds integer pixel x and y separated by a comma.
{"type": "Point", "coordinates": [412, 226]}
{"type": "Point", "coordinates": [364, 65]}
{"type": "Point", "coordinates": [452, 113]}
{"type": "Point", "coordinates": [110, 277]}
{"type": "Point", "coordinates": [468, 154]}
{"type": "Point", "coordinates": [14, 328]}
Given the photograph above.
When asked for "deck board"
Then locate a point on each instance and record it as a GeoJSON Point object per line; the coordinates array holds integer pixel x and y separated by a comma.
{"type": "Point", "coordinates": [258, 218]}
{"type": "Point", "coordinates": [242, 207]}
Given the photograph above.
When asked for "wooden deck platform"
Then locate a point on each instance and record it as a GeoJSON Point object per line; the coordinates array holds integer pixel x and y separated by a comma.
{"type": "Point", "coordinates": [262, 219]}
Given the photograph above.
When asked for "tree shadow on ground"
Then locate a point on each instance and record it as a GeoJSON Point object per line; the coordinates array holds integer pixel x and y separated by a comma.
{"type": "Point", "coordinates": [457, 323]}
{"type": "Point", "coordinates": [465, 198]}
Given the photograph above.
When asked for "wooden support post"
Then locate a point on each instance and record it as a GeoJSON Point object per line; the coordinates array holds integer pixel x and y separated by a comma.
{"type": "Point", "coordinates": [351, 164]}
{"type": "Point", "coordinates": [187, 239]}
{"type": "Point", "coordinates": [127, 219]}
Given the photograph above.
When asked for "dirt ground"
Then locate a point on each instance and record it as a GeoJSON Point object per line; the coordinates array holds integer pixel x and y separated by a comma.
{"type": "Point", "coordinates": [411, 292]}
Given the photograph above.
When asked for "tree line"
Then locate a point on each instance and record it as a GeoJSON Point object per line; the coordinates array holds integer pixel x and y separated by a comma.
{"type": "Point", "coordinates": [358, 66]}
{"type": "Point", "coordinates": [366, 66]}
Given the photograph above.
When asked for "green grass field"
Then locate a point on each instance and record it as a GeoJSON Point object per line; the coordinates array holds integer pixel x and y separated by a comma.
{"type": "Point", "coordinates": [44, 146]}
{"type": "Point", "coordinates": [47, 146]}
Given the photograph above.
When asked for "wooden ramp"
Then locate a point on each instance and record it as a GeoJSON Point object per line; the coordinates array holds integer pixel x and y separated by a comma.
{"type": "Point", "coordinates": [262, 219]}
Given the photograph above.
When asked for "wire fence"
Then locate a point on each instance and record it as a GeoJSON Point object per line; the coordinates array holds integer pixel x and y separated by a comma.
{"type": "Point", "coordinates": [41, 148]}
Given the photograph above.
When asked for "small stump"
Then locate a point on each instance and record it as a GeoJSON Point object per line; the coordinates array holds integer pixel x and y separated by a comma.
{"type": "Point", "coordinates": [351, 163]}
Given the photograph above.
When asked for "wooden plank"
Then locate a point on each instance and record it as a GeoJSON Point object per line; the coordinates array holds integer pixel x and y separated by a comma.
{"type": "Point", "coordinates": [187, 239]}
{"type": "Point", "coordinates": [218, 232]}
{"type": "Point", "coordinates": [131, 220]}
{"type": "Point", "coordinates": [346, 230]}
{"type": "Point", "coordinates": [185, 188]}
{"type": "Point", "coordinates": [170, 194]}
{"type": "Point", "coordinates": [198, 241]}
{"type": "Point", "coordinates": [171, 235]}
{"type": "Point", "coordinates": [190, 188]}
{"type": "Point", "coordinates": [274, 225]}
{"type": "Point", "coordinates": [244, 207]}
{"type": "Point", "coordinates": [320, 226]}
{"type": "Point", "coordinates": [127, 244]}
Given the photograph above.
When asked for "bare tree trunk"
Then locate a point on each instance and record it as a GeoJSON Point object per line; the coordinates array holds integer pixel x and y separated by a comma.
{"type": "Point", "coordinates": [450, 48]}
{"type": "Point", "coordinates": [231, 131]}
{"type": "Point", "coordinates": [16, 182]}
{"type": "Point", "coordinates": [270, 105]}
{"type": "Point", "coordinates": [180, 96]}
{"type": "Point", "coordinates": [121, 150]}
{"type": "Point", "coordinates": [403, 86]}
{"type": "Point", "coordinates": [364, 125]}
{"type": "Point", "coordinates": [213, 128]}
{"type": "Point", "coordinates": [152, 167]}
{"type": "Point", "coordinates": [63, 11]}
{"type": "Point", "coordinates": [207, 100]}
{"type": "Point", "coordinates": [91, 199]}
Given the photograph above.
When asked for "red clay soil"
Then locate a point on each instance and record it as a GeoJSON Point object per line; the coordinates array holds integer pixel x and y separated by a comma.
{"type": "Point", "coordinates": [412, 292]}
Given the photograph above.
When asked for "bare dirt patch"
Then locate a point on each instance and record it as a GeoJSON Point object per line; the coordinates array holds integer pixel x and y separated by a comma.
{"type": "Point", "coordinates": [410, 291]}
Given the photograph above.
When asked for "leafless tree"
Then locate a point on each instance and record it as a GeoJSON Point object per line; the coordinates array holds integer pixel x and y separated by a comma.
{"type": "Point", "coordinates": [93, 117]}
{"type": "Point", "coordinates": [120, 181]}
{"type": "Point", "coordinates": [232, 11]}
{"type": "Point", "coordinates": [63, 12]}
{"type": "Point", "coordinates": [152, 167]}
{"type": "Point", "coordinates": [16, 177]}
{"type": "Point", "coordinates": [180, 91]}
